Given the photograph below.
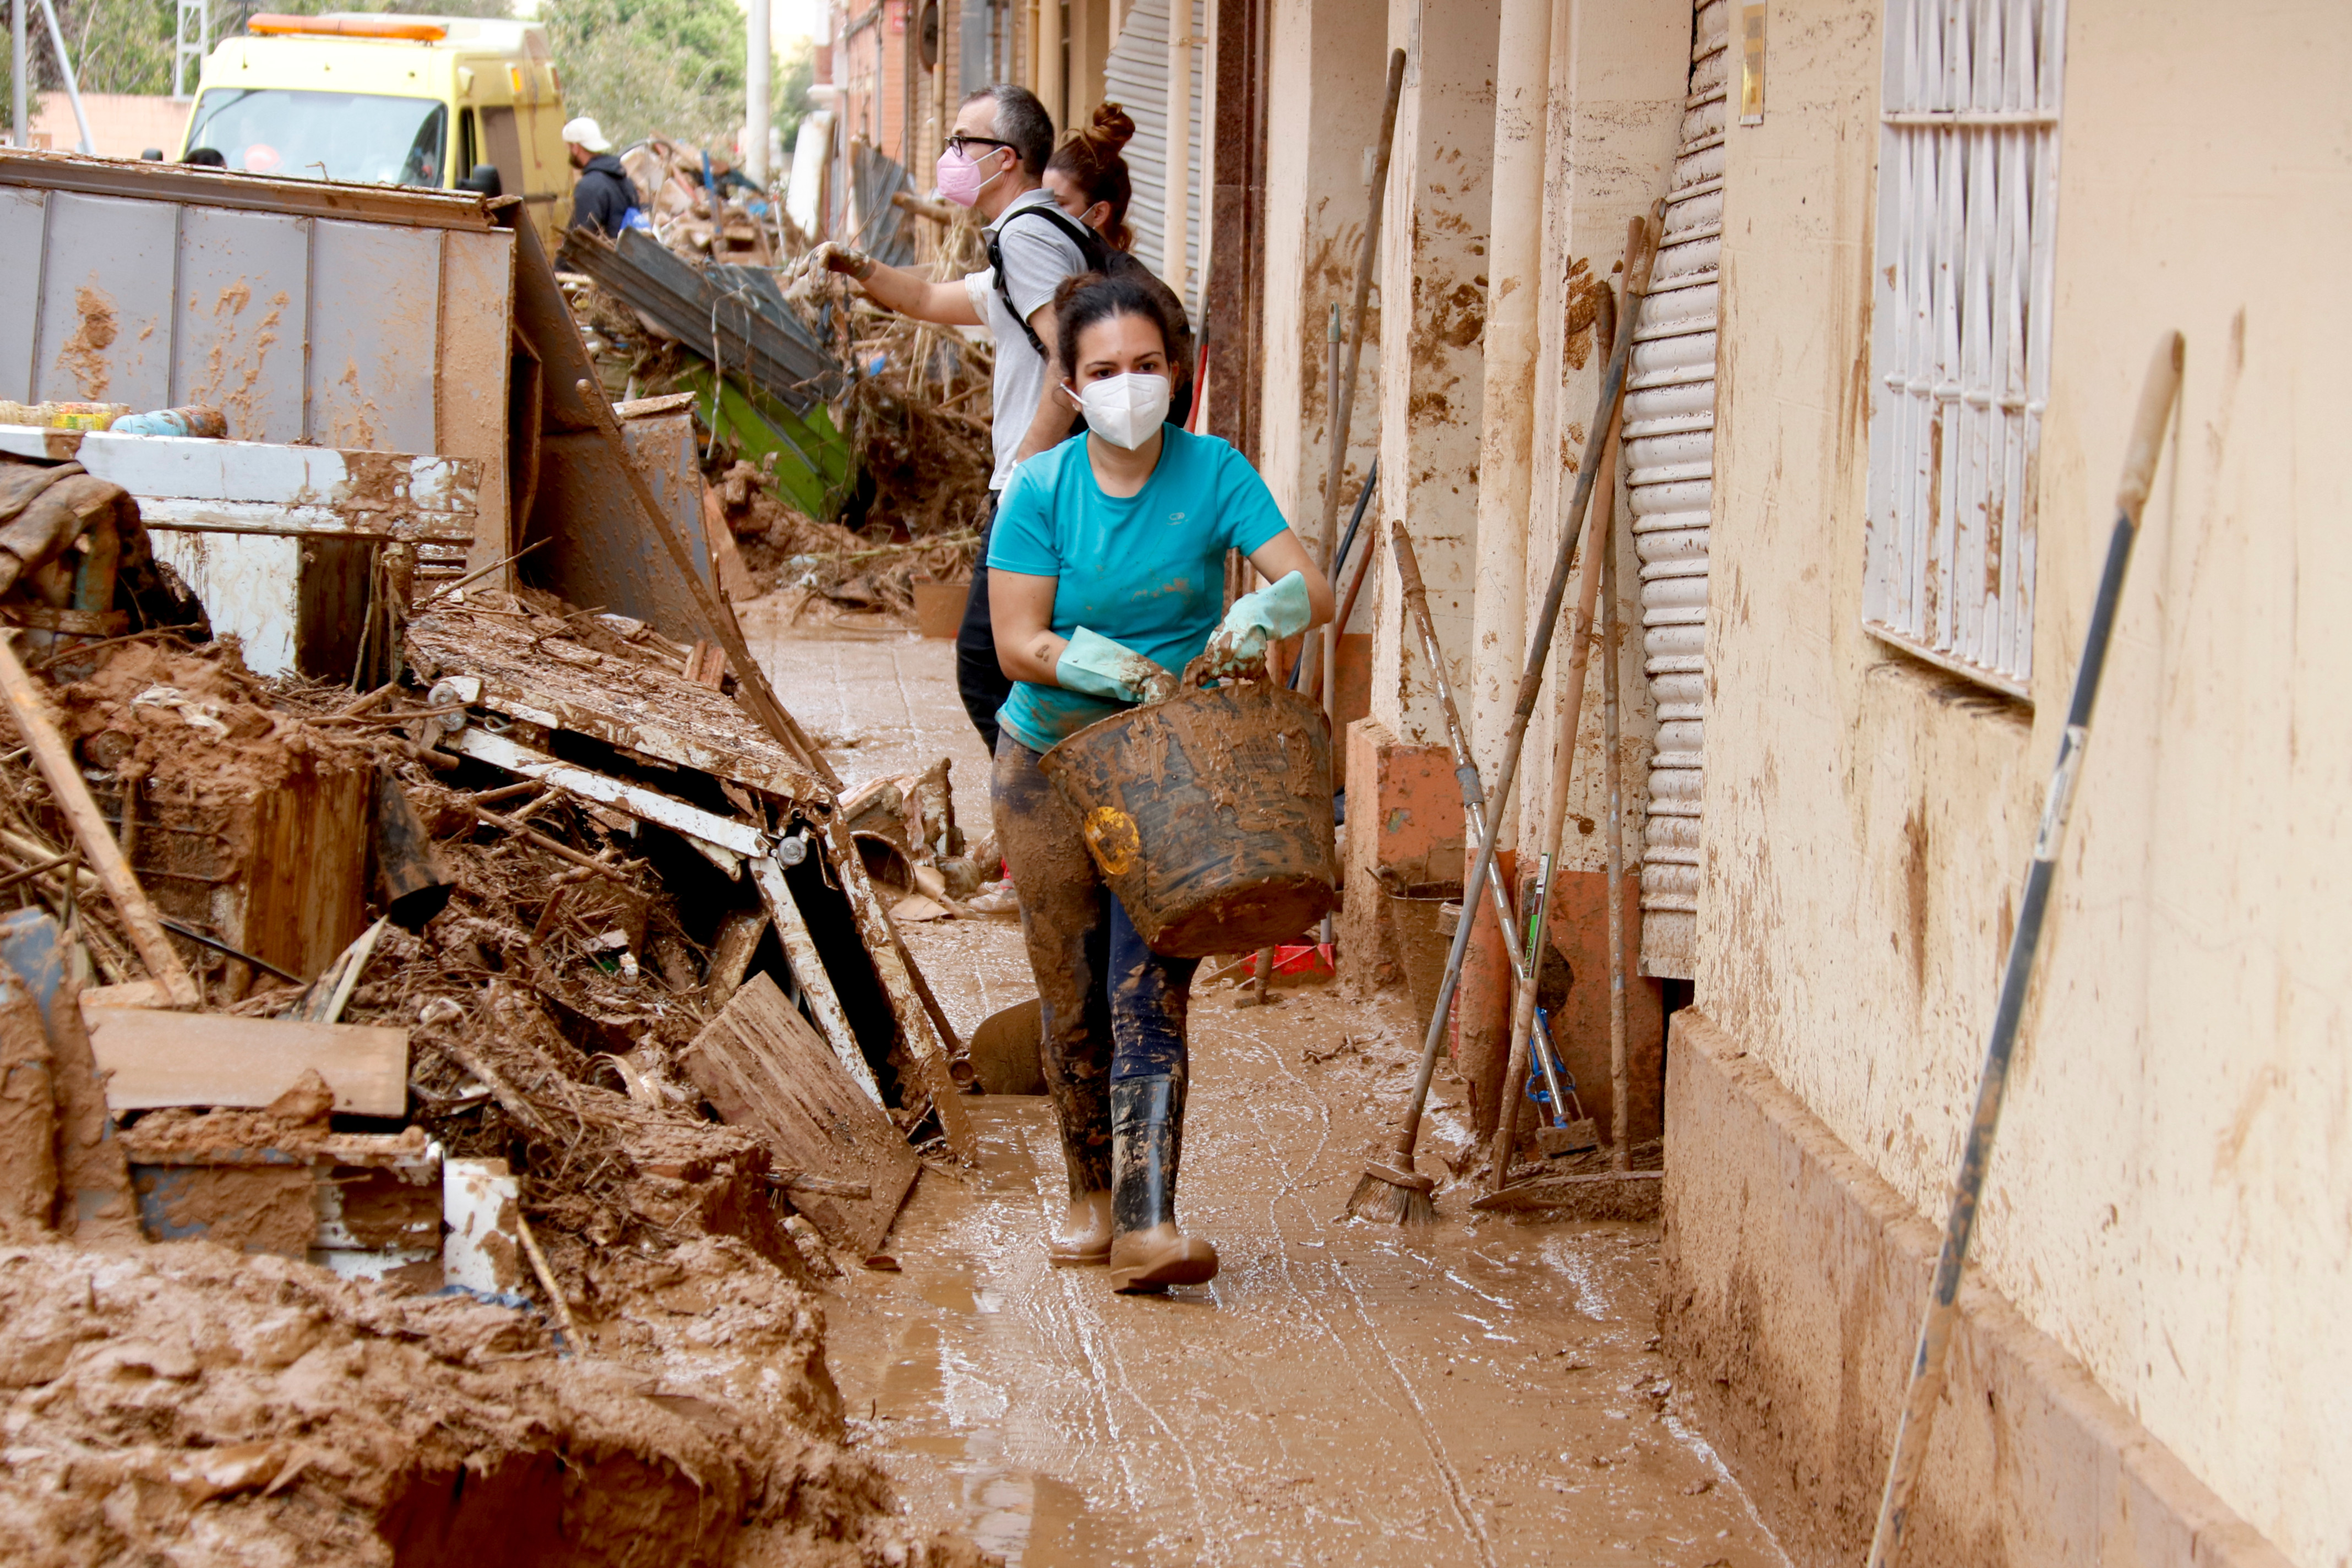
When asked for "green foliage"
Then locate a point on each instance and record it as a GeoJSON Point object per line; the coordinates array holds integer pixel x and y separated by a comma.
{"type": "Point", "coordinates": [795, 74]}
{"type": "Point", "coordinates": [651, 67]}
{"type": "Point", "coordinates": [641, 67]}
{"type": "Point", "coordinates": [118, 46]}
{"type": "Point", "coordinates": [125, 46]}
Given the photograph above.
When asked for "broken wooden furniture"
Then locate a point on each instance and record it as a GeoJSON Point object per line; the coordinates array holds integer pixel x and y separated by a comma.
{"type": "Point", "coordinates": [764, 1069]}
{"type": "Point", "coordinates": [630, 733]}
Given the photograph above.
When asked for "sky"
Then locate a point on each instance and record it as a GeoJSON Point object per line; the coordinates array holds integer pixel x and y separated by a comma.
{"type": "Point", "coordinates": [792, 19]}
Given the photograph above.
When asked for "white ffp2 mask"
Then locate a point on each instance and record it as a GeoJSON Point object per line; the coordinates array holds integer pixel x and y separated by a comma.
{"type": "Point", "coordinates": [1123, 410]}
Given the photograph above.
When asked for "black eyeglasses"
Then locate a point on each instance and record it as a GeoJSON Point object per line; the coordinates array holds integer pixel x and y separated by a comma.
{"type": "Point", "coordinates": [961, 146]}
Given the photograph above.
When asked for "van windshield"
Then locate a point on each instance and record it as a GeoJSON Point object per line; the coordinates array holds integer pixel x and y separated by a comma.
{"type": "Point", "coordinates": [356, 137]}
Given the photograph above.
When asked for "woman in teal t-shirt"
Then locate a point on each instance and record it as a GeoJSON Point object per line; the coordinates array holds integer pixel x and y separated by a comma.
{"type": "Point", "coordinates": [1107, 571]}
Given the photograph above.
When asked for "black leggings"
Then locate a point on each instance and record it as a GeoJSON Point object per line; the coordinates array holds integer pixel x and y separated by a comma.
{"type": "Point", "coordinates": [980, 680]}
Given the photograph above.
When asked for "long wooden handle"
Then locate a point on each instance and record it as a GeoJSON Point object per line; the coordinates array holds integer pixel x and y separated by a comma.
{"type": "Point", "coordinates": [1612, 386]}
{"type": "Point", "coordinates": [1466, 766]}
{"type": "Point", "coordinates": [1343, 394]}
{"type": "Point", "coordinates": [1603, 515]}
{"type": "Point", "coordinates": [1925, 1387]}
{"type": "Point", "coordinates": [2156, 396]}
{"type": "Point", "coordinates": [55, 759]}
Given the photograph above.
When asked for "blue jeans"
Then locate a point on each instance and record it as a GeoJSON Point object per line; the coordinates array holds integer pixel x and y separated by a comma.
{"type": "Point", "coordinates": [1113, 1009]}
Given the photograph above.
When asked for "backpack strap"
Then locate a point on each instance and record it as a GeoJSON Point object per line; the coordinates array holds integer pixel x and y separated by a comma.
{"type": "Point", "coordinates": [1090, 247]}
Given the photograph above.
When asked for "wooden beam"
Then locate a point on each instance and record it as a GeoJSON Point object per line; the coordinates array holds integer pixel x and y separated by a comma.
{"type": "Point", "coordinates": [152, 1058]}
{"type": "Point", "coordinates": [926, 1052]}
{"type": "Point", "coordinates": [808, 969]}
{"type": "Point", "coordinates": [91, 830]}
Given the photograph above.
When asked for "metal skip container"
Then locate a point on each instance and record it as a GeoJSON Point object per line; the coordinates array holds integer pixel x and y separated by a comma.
{"type": "Point", "coordinates": [1210, 814]}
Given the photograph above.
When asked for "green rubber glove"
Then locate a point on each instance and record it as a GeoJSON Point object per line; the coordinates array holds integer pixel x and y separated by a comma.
{"type": "Point", "coordinates": [1273, 613]}
{"type": "Point", "coordinates": [1100, 668]}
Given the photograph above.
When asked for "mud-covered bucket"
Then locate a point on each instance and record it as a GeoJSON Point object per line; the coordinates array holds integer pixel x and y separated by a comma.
{"type": "Point", "coordinates": [1210, 814]}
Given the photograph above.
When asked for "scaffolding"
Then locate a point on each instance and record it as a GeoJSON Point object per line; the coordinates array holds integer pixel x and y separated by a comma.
{"type": "Point", "coordinates": [191, 40]}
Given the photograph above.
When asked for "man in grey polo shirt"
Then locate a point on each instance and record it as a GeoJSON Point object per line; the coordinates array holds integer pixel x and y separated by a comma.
{"type": "Point", "coordinates": [995, 161]}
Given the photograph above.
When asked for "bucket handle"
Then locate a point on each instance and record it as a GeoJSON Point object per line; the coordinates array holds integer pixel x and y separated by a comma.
{"type": "Point", "coordinates": [1196, 674]}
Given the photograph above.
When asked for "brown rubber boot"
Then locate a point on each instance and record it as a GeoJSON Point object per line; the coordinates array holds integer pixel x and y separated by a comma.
{"type": "Point", "coordinates": [1084, 1238]}
{"type": "Point", "coordinates": [1147, 1251]}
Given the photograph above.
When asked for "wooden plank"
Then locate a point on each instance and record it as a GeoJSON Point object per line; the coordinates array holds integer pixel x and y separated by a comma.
{"type": "Point", "coordinates": [730, 954]}
{"type": "Point", "coordinates": [623, 701]}
{"type": "Point", "coordinates": [925, 1050]}
{"type": "Point", "coordinates": [91, 831]}
{"type": "Point", "coordinates": [152, 1058]}
{"type": "Point", "coordinates": [808, 971]}
{"type": "Point", "coordinates": [765, 1070]}
{"type": "Point", "coordinates": [727, 567]}
{"type": "Point", "coordinates": [647, 805]}
{"type": "Point", "coordinates": [1608, 1194]}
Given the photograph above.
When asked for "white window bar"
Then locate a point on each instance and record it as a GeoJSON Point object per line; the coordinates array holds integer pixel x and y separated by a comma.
{"type": "Point", "coordinates": [1960, 336]}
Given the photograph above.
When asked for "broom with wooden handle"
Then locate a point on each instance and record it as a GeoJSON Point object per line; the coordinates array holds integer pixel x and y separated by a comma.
{"type": "Point", "coordinates": [2155, 399]}
{"type": "Point", "coordinates": [1392, 1183]}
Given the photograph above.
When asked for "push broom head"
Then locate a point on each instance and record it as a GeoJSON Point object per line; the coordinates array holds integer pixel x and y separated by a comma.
{"type": "Point", "coordinates": [1398, 1196]}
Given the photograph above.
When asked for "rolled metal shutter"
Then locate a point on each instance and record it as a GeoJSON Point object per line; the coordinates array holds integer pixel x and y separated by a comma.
{"type": "Point", "coordinates": [1669, 437]}
{"type": "Point", "coordinates": [1136, 78]}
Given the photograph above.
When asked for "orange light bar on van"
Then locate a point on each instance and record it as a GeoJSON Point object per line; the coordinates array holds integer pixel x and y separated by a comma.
{"type": "Point", "coordinates": [271, 24]}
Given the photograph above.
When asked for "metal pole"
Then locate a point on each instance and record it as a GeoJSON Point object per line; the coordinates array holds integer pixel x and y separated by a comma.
{"type": "Point", "coordinates": [759, 89]}
{"type": "Point", "coordinates": [18, 75]}
{"type": "Point", "coordinates": [1612, 776]}
{"type": "Point", "coordinates": [1926, 1385]}
{"type": "Point", "coordinates": [1176, 206]}
{"type": "Point", "coordinates": [65, 70]}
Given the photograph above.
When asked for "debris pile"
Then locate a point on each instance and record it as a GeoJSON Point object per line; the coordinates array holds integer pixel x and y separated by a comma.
{"type": "Point", "coordinates": [850, 444]}
{"type": "Point", "coordinates": [183, 1403]}
{"type": "Point", "coordinates": [448, 1026]}
{"type": "Point", "coordinates": [697, 202]}
{"type": "Point", "coordinates": [528, 927]}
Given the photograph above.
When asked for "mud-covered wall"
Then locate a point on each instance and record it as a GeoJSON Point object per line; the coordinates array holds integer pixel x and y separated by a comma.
{"type": "Point", "coordinates": [1433, 291]}
{"type": "Point", "coordinates": [2172, 1195]}
{"type": "Point", "coordinates": [1327, 75]}
{"type": "Point", "coordinates": [1618, 71]}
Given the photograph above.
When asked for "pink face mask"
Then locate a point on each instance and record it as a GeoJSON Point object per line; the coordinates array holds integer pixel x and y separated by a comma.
{"type": "Point", "coordinates": [960, 180]}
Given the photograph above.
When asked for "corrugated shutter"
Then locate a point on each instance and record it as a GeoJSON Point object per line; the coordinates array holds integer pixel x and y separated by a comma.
{"type": "Point", "coordinates": [1136, 78]}
{"type": "Point", "coordinates": [1669, 435]}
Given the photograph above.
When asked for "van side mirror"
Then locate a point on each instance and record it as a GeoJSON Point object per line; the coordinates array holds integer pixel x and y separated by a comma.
{"type": "Point", "coordinates": [483, 181]}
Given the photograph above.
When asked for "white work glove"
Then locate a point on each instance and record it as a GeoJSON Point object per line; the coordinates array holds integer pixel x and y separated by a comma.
{"type": "Point", "coordinates": [1238, 647]}
{"type": "Point", "coordinates": [1099, 666]}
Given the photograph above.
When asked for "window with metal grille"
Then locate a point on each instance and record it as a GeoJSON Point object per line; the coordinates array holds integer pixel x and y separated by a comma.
{"type": "Point", "coordinates": [1968, 173]}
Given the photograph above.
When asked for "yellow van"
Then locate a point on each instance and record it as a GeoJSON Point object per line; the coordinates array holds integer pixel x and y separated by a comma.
{"type": "Point", "coordinates": [378, 99]}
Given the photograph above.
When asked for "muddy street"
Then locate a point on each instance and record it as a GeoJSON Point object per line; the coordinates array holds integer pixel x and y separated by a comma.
{"type": "Point", "coordinates": [1487, 1392]}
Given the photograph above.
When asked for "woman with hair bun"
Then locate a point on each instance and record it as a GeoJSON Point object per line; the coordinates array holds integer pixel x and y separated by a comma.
{"type": "Point", "coordinates": [1106, 572]}
{"type": "Point", "coordinates": [1087, 175]}
{"type": "Point", "coordinates": [1089, 178]}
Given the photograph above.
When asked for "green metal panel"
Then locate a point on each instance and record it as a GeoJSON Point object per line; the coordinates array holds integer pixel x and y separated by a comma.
{"type": "Point", "coordinates": [813, 463]}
